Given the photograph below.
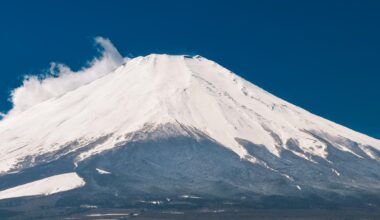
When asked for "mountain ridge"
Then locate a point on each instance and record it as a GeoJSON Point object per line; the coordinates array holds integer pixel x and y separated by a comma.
{"type": "Point", "coordinates": [183, 89]}
{"type": "Point", "coordinates": [163, 126]}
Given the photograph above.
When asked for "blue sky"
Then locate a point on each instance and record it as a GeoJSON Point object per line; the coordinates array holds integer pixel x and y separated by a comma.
{"type": "Point", "coordinates": [321, 55]}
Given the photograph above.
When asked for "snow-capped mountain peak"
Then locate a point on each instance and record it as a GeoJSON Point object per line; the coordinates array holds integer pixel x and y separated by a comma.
{"type": "Point", "coordinates": [147, 92]}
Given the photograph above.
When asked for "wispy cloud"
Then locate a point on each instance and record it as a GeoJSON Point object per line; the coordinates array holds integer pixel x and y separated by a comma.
{"type": "Point", "coordinates": [61, 79]}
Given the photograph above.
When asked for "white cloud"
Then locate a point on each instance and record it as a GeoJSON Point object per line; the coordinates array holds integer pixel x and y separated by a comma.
{"type": "Point", "coordinates": [61, 79]}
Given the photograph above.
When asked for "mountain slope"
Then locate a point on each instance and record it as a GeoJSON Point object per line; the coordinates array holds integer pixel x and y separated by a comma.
{"type": "Point", "coordinates": [46, 186]}
{"type": "Point", "coordinates": [268, 145]}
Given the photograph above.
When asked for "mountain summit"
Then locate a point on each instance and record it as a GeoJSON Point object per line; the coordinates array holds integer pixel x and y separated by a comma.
{"type": "Point", "coordinates": [162, 126]}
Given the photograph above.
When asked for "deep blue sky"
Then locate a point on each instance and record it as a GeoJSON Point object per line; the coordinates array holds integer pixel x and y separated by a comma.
{"type": "Point", "coordinates": [321, 55]}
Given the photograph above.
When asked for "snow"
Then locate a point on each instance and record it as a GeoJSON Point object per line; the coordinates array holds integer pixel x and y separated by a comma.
{"type": "Point", "coordinates": [160, 89]}
{"type": "Point", "coordinates": [46, 186]}
{"type": "Point", "coordinates": [86, 206]}
{"type": "Point", "coordinates": [335, 171]}
{"type": "Point", "coordinates": [104, 172]}
{"type": "Point", "coordinates": [152, 202]}
{"type": "Point", "coordinates": [107, 214]}
{"type": "Point", "coordinates": [189, 197]}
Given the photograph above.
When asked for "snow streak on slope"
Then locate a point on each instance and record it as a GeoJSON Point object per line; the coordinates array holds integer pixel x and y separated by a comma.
{"type": "Point", "coordinates": [46, 186]}
{"type": "Point", "coordinates": [103, 172]}
{"type": "Point", "coordinates": [160, 89]}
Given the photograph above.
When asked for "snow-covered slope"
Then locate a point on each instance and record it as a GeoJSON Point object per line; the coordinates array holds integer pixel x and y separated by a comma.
{"type": "Point", "coordinates": [46, 186]}
{"type": "Point", "coordinates": [162, 89]}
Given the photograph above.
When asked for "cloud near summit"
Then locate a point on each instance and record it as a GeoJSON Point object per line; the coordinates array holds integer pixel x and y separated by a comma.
{"type": "Point", "coordinates": [60, 79]}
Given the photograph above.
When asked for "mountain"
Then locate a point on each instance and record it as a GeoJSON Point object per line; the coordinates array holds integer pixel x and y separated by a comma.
{"type": "Point", "coordinates": [162, 127]}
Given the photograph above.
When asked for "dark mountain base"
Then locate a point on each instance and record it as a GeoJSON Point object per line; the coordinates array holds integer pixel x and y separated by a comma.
{"type": "Point", "coordinates": [170, 176]}
{"type": "Point", "coordinates": [209, 213]}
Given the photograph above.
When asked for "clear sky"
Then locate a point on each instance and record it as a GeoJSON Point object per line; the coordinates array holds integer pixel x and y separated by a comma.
{"type": "Point", "coordinates": [321, 55]}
